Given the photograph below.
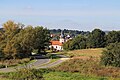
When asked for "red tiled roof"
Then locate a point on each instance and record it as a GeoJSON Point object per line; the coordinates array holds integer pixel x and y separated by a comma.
{"type": "Point", "coordinates": [56, 43]}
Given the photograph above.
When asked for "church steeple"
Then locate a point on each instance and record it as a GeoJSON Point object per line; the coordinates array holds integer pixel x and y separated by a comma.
{"type": "Point", "coordinates": [62, 34]}
{"type": "Point", "coordinates": [62, 40]}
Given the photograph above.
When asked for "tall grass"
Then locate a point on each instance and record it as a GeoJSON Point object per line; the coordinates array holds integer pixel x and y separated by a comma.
{"type": "Point", "coordinates": [88, 67]}
{"type": "Point", "coordinates": [24, 74]}
{"type": "Point", "coordinates": [96, 53]}
{"type": "Point", "coordinates": [12, 62]}
{"type": "Point", "coordinates": [69, 76]}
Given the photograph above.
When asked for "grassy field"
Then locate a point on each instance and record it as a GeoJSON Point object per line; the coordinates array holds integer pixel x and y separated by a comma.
{"type": "Point", "coordinates": [46, 74]}
{"type": "Point", "coordinates": [69, 76]}
{"type": "Point", "coordinates": [87, 62]}
{"type": "Point", "coordinates": [83, 65]}
{"type": "Point", "coordinates": [95, 53]}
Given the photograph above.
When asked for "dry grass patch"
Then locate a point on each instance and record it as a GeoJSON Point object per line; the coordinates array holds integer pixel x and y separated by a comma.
{"type": "Point", "coordinates": [84, 53]}
{"type": "Point", "coordinates": [87, 62]}
{"type": "Point", "coordinates": [88, 67]}
{"type": "Point", "coordinates": [13, 62]}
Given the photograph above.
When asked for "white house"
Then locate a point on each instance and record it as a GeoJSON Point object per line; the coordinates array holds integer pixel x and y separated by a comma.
{"type": "Point", "coordinates": [58, 44]}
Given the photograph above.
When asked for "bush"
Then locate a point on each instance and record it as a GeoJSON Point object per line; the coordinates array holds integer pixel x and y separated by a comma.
{"type": "Point", "coordinates": [111, 56]}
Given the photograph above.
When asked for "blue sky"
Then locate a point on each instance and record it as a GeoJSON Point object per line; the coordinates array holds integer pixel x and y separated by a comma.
{"type": "Point", "coordinates": [68, 14]}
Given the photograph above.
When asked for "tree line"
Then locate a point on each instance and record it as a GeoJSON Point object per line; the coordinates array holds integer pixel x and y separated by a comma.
{"type": "Point", "coordinates": [96, 39]}
{"type": "Point", "coordinates": [18, 40]}
{"type": "Point", "coordinates": [70, 32]}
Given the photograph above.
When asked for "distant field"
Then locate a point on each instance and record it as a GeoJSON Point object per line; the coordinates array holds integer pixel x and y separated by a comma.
{"type": "Point", "coordinates": [84, 53]}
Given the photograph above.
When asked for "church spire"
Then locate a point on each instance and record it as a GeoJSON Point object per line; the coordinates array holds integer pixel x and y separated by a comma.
{"type": "Point", "coordinates": [62, 40]}
{"type": "Point", "coordinates": [62, 34]}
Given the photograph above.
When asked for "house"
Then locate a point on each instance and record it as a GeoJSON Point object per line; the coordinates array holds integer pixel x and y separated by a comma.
{"type": "Point", "coordinates": [57, 45]}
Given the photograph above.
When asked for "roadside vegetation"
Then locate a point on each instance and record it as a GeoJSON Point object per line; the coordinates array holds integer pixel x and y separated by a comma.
{"type": "Point", "coordinates": [46, 74]}
{"type": "Point", "coordinates": [23, 74]}
{"type": "Point", "coordinates": [16, 62]}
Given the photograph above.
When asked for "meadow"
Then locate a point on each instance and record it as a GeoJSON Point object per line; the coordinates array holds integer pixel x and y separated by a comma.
{"type": "Point", "coordinates": [87, 62]}
{"type": "Point", "coordinates": [95, 53]}
{"type": "Point", "coordinates": [83, 65]}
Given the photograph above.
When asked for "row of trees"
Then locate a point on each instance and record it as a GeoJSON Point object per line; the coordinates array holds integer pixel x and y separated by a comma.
{"type": "Point", "coordinates": [18, 41]}
{"type": "Point", "coordinates": [96, 39]}
{"type": "Point", "coordinates": [66, 31]}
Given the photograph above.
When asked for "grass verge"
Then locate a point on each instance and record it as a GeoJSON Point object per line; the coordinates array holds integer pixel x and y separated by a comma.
{"type": "Point", "coordinates": [14, 63]}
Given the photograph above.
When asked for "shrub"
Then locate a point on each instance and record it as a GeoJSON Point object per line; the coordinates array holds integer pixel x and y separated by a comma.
{"type": "Point", "coordinates": [111, 56]}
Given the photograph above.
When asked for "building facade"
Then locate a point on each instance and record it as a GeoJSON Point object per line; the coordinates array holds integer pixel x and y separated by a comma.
{"type": "Point", "coordinates": [58, 45]}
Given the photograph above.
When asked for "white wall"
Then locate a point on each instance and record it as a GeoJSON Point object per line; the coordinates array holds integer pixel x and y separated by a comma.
{"type": "Point", "coordinates": [57, 47]}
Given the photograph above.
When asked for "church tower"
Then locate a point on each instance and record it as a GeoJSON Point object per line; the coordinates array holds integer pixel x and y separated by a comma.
{"type": "Point", "coordinates": [62, 37]}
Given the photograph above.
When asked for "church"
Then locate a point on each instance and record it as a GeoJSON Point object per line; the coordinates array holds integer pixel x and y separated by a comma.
{"type": "Point", "coordinates": [57, 45]}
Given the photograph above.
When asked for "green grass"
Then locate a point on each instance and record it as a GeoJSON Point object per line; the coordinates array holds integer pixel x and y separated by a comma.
{"type": "Point", "coordinates": [46, 74]}
{"type": "Point", "coordinates": [69, 76]}
{"type": "Point", "coordinates": [76, 68]}
{"type": "Point", "coordinates": [23, 74]}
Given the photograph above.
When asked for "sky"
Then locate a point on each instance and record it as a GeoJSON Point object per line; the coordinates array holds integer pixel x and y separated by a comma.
{"type": "Point", "coordinates": [63, 14]}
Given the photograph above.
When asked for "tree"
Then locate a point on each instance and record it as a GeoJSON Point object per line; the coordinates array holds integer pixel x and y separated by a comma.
{"type": "Point", "coordinates": [34, 38]}
{"type": "Point", "coordinates": [77, 43]}
{"type": "Point", "coordinates": [67, 45]}
{"type": "Point", "coordinates": [111, 56]}
{"type": "Point", "coordinates": [96, 39]}
{"type": "Point", "coordinates": [112, 37]}
{"type": "Point", "coordinates": [10, 29]}
{"type": "Point", "coordinates": [42, 37]}
{"type": "Point", "coordinates": [19, 42]}
{"type": "Point", "coordinates": [25, 40]}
